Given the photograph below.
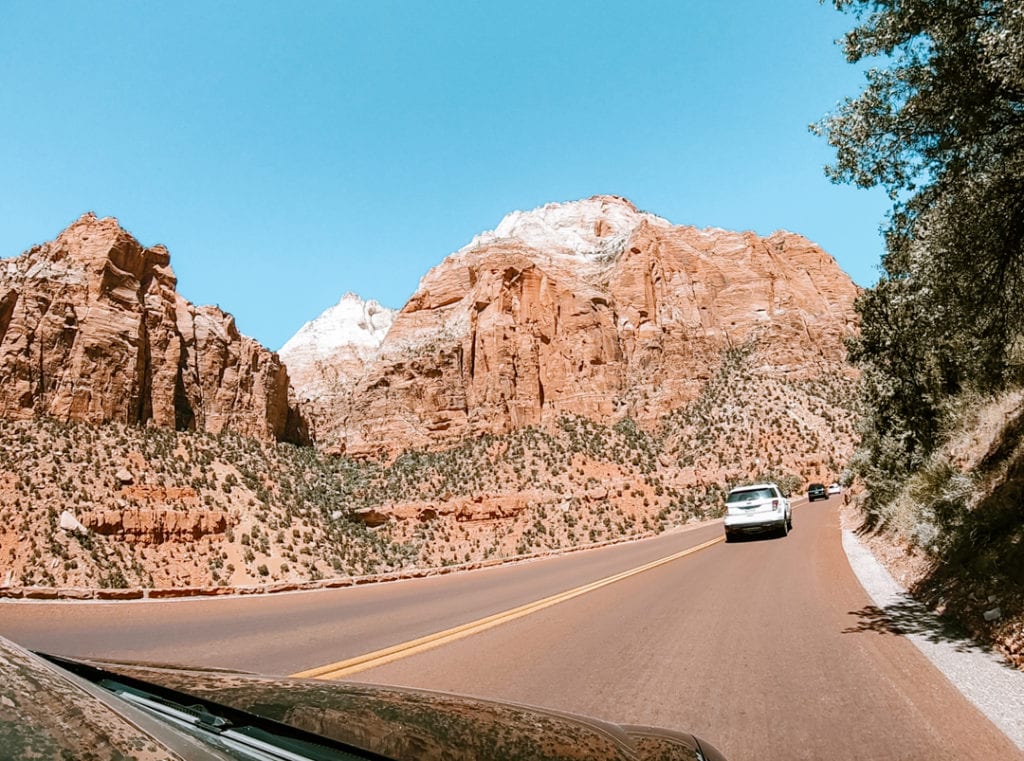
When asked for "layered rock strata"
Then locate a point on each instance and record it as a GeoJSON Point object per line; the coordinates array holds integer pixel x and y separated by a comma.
{"type": "Point", "coordinates": [156, 526]}
{"type": "Point", "coordinates": [93, 330]}
{"type": "Point", "coordinates": [591, 308]}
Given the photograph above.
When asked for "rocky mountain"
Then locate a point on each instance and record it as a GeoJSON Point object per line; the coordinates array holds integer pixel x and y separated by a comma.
{"type": "Point", "coordinates": [590, 308]}
{"type": "Point", "coordinates": [92, 329]}
{"type": "Point", "coordinates": [584, 373]}
{"type": "Point", "coordinates": [328, 353]}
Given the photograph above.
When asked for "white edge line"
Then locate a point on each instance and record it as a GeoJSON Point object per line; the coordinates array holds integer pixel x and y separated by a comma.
{"type": "Point", "coordinates": [994, 687]}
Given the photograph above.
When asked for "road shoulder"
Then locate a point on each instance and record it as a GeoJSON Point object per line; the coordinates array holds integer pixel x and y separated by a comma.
{"type": "Point", "coordinates": [995, 688]}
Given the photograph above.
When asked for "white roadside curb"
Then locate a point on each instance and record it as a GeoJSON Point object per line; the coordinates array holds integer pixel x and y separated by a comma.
{"type": "Point", "coordinates": [995, 688]}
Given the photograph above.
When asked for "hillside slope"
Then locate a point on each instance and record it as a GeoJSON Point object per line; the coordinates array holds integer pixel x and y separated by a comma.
{"type": "Point", "coordinates": [589, 308]}
{"type": "Point", "coordinates": [954, 534]}
{"type": "Point", "coordinates": [116, 506]}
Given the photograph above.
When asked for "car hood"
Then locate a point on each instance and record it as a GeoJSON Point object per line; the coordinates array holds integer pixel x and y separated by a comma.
{"type": "Point", "coordinates": [47, 713]}
{"type": "Point", "coordinates": [52, 708]}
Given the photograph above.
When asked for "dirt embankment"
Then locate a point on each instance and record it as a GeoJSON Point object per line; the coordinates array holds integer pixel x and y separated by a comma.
{"type": "Point", "coordinates": [961, 550]}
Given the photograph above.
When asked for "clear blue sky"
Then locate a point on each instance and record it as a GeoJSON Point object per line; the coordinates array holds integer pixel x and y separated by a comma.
{"type": "Point", "coordinates": [287, 153]}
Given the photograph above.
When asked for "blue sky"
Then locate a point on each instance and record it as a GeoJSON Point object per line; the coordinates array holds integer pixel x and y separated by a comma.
{"type": "Point", "coordinates": [288, 153]}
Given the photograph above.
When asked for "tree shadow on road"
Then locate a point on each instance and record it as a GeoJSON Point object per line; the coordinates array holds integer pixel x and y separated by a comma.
{"type": "Point", "coordinates": [908, 617]}
{"type": "Point", "coordinates": [977, 561]}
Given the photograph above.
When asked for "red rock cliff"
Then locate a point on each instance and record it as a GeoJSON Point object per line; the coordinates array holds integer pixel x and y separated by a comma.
{"type": "Point", "coordinates": [592, 308]}
{"type": "Point", "coordinates": [92, 329]}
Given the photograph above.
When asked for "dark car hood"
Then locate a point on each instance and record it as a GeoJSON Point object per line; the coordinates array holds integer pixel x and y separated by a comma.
{"type": "Point", "coordinates": [405, 723]}
{"type": "Point", "coordinates": [46, 711]}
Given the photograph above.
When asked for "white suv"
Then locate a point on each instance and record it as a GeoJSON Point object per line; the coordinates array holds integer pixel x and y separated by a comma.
{"type": "Point", "coordinates": [757, 508]}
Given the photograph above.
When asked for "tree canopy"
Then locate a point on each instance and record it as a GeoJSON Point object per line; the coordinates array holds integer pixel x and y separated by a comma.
{"type": "Point", "coordinates": [940, 126]}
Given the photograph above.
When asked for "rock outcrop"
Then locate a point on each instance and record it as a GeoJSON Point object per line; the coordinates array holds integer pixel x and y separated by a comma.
{"type": "Point", "coordinates": [591, 308]}
{"type": "Point", "coordinates": [477, 507]}
{"type": "Point", "coordinates": [93, 330]}
{"type": "Point", "coordinates": [156, 526]}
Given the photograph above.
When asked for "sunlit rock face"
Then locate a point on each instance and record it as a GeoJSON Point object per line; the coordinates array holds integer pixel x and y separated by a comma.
{"type": "Point", "coordinates": [92, 329]}
{"type": "Point", "coordinates": [590, 307]}
{"type": "Point", "coordinates": [328, 352]}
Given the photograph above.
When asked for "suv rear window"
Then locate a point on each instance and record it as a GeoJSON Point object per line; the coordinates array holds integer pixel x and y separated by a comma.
{"type": "Point", "coordinates": [749, 494]}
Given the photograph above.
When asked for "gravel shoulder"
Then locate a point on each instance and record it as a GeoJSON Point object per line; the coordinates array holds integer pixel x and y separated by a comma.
{"type": "Point", "coordinates": [983, 677]}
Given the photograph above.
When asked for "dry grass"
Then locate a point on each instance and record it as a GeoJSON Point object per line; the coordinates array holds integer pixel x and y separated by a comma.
{"type": "Point", "coordinates": [954, 534]}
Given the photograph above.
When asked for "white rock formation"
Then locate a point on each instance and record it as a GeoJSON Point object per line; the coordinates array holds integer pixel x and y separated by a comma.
{"type": "Point", "coordinates": [327, 351]}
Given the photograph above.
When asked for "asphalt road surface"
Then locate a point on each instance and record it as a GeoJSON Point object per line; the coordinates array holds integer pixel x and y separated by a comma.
{"type": "Point", "coordinates": [761, 647]}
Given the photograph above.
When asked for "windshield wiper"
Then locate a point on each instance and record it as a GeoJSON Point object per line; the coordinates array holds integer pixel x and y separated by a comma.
{"type": "Point", "coordinates": [240, 735]}
{"type": "Point", "coordinates": [245, 742]}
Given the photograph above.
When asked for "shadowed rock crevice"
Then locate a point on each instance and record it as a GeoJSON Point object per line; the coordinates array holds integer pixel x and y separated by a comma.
{"type": "Point", "coordinates": [589, 308]}
{"type": "Point", "coordinates": [7, 304]}
{"type": "Point", "coordinates": [133, 350]}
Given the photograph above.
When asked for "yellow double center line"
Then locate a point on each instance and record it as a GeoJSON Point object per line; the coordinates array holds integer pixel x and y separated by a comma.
{"type": "Point", "coordinates": [430, 641]}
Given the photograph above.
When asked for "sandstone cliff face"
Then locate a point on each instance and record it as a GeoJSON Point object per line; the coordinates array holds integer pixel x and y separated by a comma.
{"type": "Point", "coordinates": [591, 308]}
{"type": "Point", "coordinates": [93, 330]}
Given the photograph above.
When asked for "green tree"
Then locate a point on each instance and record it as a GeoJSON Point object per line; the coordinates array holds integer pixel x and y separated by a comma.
{"type": "Point", "coordinates": [940, 126]}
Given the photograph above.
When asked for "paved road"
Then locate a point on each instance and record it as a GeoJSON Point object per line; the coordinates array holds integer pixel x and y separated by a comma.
{"type": "Point", "coordinates": [756, 646]}
{"type": "Point", "coordinates": [286, 633]}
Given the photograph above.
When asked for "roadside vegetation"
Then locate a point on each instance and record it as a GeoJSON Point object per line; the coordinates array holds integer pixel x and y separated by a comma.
{"type": "Point", "coordinates": [940, 126]}
{"type": "Point", "coordinates": [164, 509]}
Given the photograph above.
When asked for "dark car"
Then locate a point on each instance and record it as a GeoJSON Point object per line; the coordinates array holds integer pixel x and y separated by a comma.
{"type": "Point", "coordinates": [52, 707]}
{"type": "Point", "coordinates": [816, 491]}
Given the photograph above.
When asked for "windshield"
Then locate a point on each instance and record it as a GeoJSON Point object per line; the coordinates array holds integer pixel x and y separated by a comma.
{"type": "Point", "coordinates": [750, 494]}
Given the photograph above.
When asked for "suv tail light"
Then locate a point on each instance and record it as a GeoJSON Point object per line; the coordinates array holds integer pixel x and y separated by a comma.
{"type": "Point", "coordinates": [775, 504]}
